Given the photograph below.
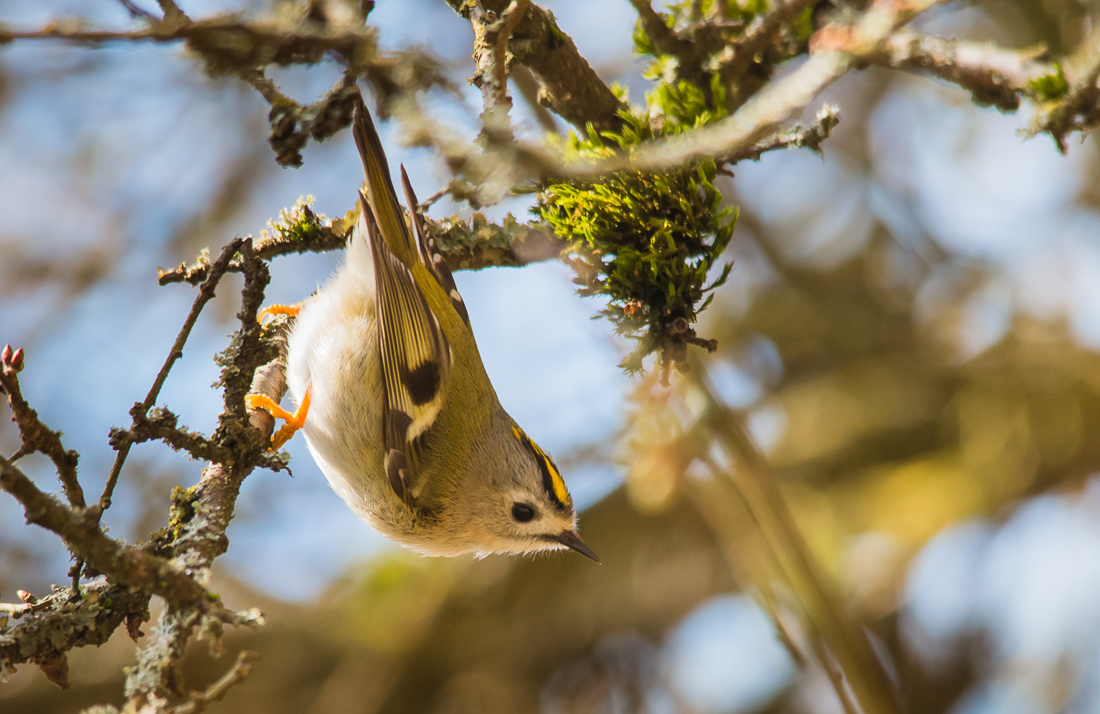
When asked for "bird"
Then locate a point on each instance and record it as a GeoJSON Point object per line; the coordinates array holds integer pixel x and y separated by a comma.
{"type": "Point", "coordinates": [394, 401]}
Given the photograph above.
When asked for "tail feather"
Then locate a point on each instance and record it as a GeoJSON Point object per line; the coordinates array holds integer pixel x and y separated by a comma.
{"type": "Point", "coordinates": [380, 189]}
{"type": "Point", "coordinates": [429, 252]}
{"type": "Point", "coordinates": [418, 253]}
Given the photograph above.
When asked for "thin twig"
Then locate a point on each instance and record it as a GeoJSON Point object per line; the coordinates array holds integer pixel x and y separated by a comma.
{"type": "Point", "coordinates": [172, 11]}
{"type": "Point", "coordinates": [795, 138]}
{"type": "Point", "coordinates": [771, 605]}
{"type": "Point", "coordinates": [298, 230]}
{"type": "Point", "coordinates": [664, 38]}
{"type": "Point", "coordinates": [466, 244]}
{"type": "Point", "coordinates": [137, 12]}
{"type": "Point", "coordinates": [140, 411]}
{"type": "Point", "coordinates": [236, 674]}
{"type": "Point", "coordinates": [693, 47]}
{"type": "Point", "coordinates": [161, 424]}
{"type": "Point", "coordinates": [835, 675]}
{"type": "Point", "coordinates": [293, 124]}
{"type": "Point", "coordinates": [227, 38]}
{"type": "Point", "coordinates": [35, 436]}
{"type": "Point", "coordinates": [528, 88]}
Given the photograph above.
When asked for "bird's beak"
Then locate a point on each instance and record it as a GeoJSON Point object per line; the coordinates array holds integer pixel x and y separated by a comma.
{"type": "Point", "coordinates": [570, 539]}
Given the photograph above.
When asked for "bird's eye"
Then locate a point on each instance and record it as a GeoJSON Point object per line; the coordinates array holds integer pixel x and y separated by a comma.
{"type": "Point", "coordinates": [522, 512]}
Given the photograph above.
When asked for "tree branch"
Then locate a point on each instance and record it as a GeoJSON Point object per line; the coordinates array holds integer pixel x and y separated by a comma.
{"type": "Point", "coordinates": [137, 12]}
{"type": "Point", "coordinates": [528, 88]}
{"type": "Point", "coordinates": [794, 138]}
{"type": "Point", "coordinates": [835, 49]}
{"type": "Point", "coordinates": [228, 44]}
{"type": "Point", "coordinates": [175, 564]}
{"type": "Point", "coordinates": [292, 124]}
{"type": "Point", "coordinates": [477, 243]}
{"type": "Point", "coordinates": [172, 11]}
{"type": "Point", "coordinates": [141, 410]}
{"type": "Point", "coordinates": [466, 244]}
{"type": "Point", "coordinates": [35, 436]}
{"type": "Point", "coordinates": [992, 74]}
{"type": "Point", "coordinates": [56, 624]}
{"type": "Point", "coordinates": [125, 565]}
{"type": "Point", "coordinates": [1078, 110]}
{"type": "Point", "coordinates": [758, 36]}
{"type": "Point", "coordinates": [205, 511]}
{"type": "Point", "coordinates": [755, 483]}
{"type": "Point", "coordinates": [224, 41]}
{"type": "Point", "coordinates": [491, 35]}
{"type": "Point", "coordinates": [162, 425]}
{"type": "Point", "coordinates": [569, 85]}
{"type": "Point", "coordinates": [664, 38]}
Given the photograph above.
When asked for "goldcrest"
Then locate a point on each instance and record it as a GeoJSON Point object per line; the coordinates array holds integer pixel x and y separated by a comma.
{"type": "Point", "coordinates": [395, 403]}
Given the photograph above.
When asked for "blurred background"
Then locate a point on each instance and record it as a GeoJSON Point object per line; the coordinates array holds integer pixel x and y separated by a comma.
{"type": "Point", "coordinates": [910, 334]}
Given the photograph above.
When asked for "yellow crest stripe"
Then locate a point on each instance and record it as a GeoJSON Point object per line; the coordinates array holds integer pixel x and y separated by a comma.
{"type": "Point", "coordinates": [552, 480]}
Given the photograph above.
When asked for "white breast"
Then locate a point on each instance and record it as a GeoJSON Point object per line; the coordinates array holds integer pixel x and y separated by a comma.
{"type": "Point", "coordinates": [333, 346]}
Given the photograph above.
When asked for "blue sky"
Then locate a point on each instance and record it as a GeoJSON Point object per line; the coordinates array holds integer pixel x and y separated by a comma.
{"type": "Point", "coordinates": [114, 162]}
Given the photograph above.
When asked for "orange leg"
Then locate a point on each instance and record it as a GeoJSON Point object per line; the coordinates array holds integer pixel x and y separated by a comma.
{"type": "Point", "coordinates": [272, 310]}
{"type": "Point", "coordinates": [294, 421]}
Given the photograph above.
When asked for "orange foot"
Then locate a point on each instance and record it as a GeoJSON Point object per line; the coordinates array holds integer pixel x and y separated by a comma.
{"type": "Point", "coordinates": [273, 310]}
{"type": "Point", "coordinates": [294, 421]}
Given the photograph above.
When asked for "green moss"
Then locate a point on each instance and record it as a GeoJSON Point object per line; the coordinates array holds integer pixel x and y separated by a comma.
{"type": "Point", "coordinates": [1050, 87]}
{"type": "Point", "coordinates": [645, 241]}
{"type": "Point", "coordinates": [296, 224]}
{"type": "Point", "coordinates": [705, 89]}
{"type": "Point", "coordinates": [643, 45]}
{"type": "Point", "coordinates": [182, 510]}
{"type": "Point", "coordinates": [684, 106]}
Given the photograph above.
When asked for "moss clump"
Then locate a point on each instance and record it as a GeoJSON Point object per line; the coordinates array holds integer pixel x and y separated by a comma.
{"type": "Point", "coordinates": [647, 241]}
{"type": "Point", "coordinates": [706, 33]}
{"type": "Point", "coordinates": [1049, 87]}
{"type": "Point", "coordinates": [681, 105]}
{"type": "Point", "coordinates": [299, 223]}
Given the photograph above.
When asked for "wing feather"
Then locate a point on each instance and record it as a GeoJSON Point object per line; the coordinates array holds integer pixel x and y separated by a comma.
{"type": "Point", "coordinates": [414, 352]}
{"type": "Point", "coordinates": [422, 323]}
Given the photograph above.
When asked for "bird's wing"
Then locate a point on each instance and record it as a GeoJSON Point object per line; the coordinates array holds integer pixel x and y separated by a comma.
{"type": "Point", "coordinates": [416, 359]}
{"type": "Point", "coordinates": [429, 253]}
{"type": "Point", "coordinates": [416, 355]}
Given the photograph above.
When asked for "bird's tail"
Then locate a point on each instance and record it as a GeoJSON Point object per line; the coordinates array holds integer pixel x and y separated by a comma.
{"type": "Point", "coordinates": [380, 190]}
